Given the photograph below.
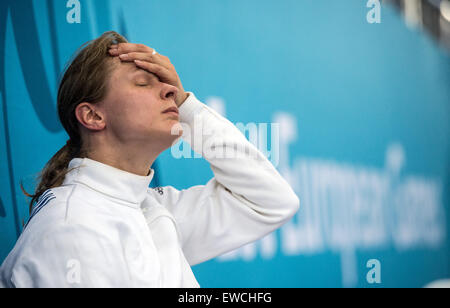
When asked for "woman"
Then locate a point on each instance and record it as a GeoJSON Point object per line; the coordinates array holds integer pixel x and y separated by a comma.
{"type": "Point", "coordinates": [95, 221]}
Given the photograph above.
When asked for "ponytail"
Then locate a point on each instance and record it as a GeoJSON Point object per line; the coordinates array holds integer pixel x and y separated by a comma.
{"type": "Point", "coordinates": [54, 171]}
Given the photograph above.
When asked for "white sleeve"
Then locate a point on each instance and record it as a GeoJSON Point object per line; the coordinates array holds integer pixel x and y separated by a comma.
{"type": "Point", "coordinates": [245, 200]}
{"type": "Point", "coordinates": [70, 255]}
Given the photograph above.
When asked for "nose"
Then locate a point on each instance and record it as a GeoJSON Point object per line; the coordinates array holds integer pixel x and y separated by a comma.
{"type": "Point", "coordinates": [168, 91]}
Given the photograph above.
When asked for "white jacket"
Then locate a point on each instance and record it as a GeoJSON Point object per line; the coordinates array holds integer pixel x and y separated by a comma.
{"type": "Point", "coordinates": [104, 227]}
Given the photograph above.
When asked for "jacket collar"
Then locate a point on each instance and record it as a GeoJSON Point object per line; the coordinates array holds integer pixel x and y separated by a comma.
{"type": "Point", "coordinates": [108, 180]}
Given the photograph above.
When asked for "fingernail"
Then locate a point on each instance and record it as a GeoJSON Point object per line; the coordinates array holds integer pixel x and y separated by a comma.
{"type": "Point", "coordinates": [124, 56]}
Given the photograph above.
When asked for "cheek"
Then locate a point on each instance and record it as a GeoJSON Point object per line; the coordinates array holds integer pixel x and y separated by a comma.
{"type": "Point", "coordinates": [133, 110]}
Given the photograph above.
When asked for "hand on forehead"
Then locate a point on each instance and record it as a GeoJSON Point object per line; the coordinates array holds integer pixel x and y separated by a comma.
{"type": "Point", "coordinates": [147, 59]}
{"type": "Point", "coordinates": [143, 57]}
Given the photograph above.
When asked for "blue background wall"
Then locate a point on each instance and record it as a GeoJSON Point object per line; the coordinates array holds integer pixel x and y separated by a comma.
{"type": "Point", "coordinates": [364, 114]}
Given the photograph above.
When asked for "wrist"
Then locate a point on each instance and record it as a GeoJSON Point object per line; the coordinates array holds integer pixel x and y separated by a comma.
{"type": "Point", "coordinates": [184, 96]}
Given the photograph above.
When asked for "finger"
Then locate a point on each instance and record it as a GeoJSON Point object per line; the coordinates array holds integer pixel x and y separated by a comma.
{"type": "Point", "coordinates": [131, 47]}
{"type": "Point", "coordinates": [163, 73]}
{"type": "Point", "coordinates": [144, 56]}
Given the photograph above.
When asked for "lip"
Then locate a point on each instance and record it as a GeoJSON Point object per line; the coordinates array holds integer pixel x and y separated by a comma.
{"type": "Point", "coordinates": [172, 113]}
{"type": "Point", "coordinates": [171, 110]}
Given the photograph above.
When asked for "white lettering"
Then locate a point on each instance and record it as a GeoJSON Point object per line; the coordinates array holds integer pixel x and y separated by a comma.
{"type": "Point", "coordinates": [74, 14]}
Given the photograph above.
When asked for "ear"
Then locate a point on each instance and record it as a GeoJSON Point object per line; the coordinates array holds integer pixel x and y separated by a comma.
{"type": "Point", "coordinates": [90, 116]}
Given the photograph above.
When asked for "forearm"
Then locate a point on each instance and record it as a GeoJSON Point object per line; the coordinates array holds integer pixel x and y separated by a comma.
{"type": "Point", "coordinates": [237, 164]}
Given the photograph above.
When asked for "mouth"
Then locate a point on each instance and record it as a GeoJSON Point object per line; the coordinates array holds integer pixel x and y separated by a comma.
{"type": "Point", "coordinates": [171, 110]}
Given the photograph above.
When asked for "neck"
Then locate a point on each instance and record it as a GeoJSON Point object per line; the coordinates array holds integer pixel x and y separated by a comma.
{"type": "Point", "coordinates": [135, 159]}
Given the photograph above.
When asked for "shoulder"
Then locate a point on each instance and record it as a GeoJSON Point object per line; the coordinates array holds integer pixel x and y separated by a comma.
{"type": "Point", "coordinates": [166, 195]}
{"type": "Point", "coordinates": [163, 192]}
{"type": "Point", "coordinates": [51, 202]}
{"type": "Point", "coordinates": [60, 215]}
{"type": "Point", "coordinates": [171, 197]}
{"type": "Point", "coordinates": [44, 256]}
{"type": "Point", "coordinates": [67, 204]}
{"type": "Point", "coordinates": [172, 192]}
{"type": "Point", "coordinates": [159, 190]}
{"type": "Point", "coordinates": [56, 222]}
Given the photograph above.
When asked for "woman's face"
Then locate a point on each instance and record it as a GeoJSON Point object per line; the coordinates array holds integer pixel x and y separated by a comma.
{"type": "Point", "coordinates": [135, 103]}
